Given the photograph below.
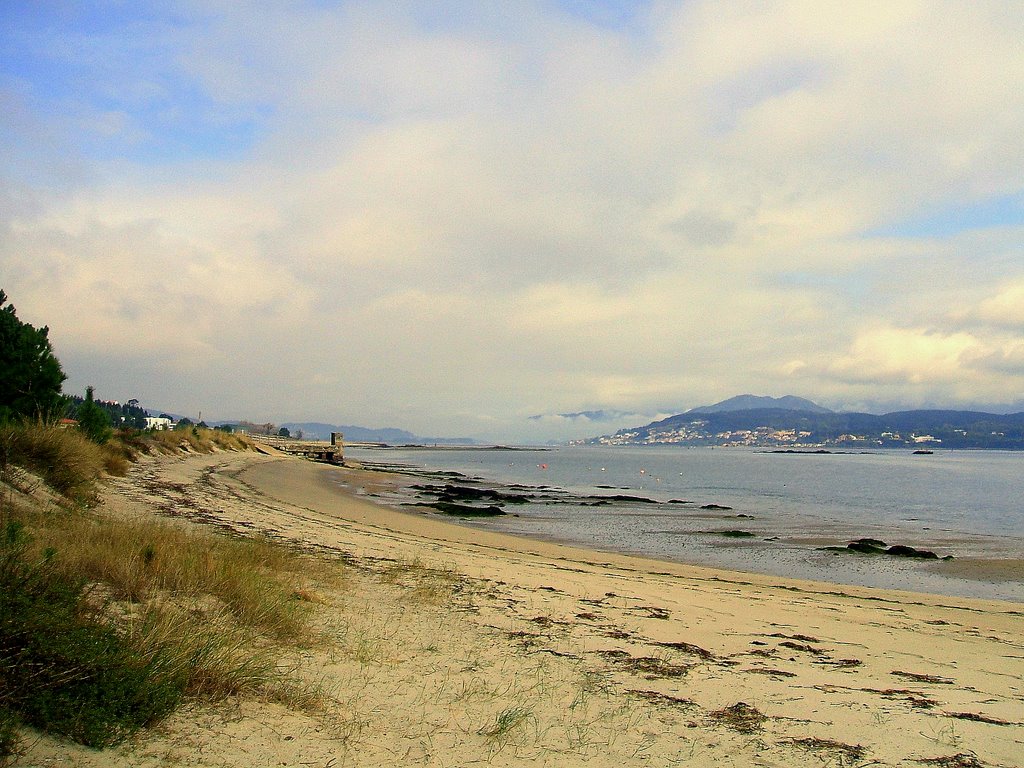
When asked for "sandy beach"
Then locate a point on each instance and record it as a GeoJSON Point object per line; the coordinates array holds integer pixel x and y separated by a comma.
{"type": "Point", "coordinates": [449, 646]}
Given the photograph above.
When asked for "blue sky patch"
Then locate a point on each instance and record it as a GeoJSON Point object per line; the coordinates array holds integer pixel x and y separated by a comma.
{"type": "Point", "coordinates": [952, 219]}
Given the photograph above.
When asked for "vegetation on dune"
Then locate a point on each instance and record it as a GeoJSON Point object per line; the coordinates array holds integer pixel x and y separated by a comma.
{"type": "Point", "coordinates": [64, 459]}
{"type": "Point", "coordinates": [64, 666]}
{"type": "Point", "coordinates": [106, 625]}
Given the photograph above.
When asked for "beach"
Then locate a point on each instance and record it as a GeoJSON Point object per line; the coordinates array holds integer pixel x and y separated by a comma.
{"type": "Point", "coordinates": [449, 646]}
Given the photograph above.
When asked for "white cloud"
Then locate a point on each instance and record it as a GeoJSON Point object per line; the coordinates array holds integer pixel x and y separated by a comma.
{"type": "Point", "coordinates": [906, 355]}
{"type": "Point", "coordinates": [479, 211]}
{"type": "Point", "coordinates": [1005, 308]}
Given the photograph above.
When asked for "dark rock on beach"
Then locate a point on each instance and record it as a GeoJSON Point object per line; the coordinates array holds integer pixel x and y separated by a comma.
{"type": "Point", "coordinates": [867, 546]}
{"type": "Point", "coordinates": [461, 493]}
{"type": "Point", "coordinates": [714, 506]}
{"type": "Point", "coordinates": [903, 551]}
{"type": "Point", "coordinates": [462, 510]}
{"type": "Point", "coordinates": [878, 547]}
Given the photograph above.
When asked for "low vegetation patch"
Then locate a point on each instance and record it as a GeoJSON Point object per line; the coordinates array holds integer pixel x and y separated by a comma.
{"type": "Point", "coordinates": [64, 459]}
{"type": "Point", "coordinates": [740, 717]}
{"type": "Point", "coordinates": [106, 624]}
{"type": "Point", "coordinates": [423, 583]}
{"type": "Point", "coordinates": [846, 754]}
{"type": "Point", "coordinates": [63, 666]}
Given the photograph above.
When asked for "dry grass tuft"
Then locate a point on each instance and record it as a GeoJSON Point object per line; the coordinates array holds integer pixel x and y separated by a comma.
{"type": "Point", "coordinates": [64, 458]}
{"type": "Point", "coordinates": [846, 754]}
{"type": "Point", "coordinates": [216, 657]}
{"type": "Point", "coordinates": [116, 461]}
{"type": "Point", "coordinates": [740, 717]}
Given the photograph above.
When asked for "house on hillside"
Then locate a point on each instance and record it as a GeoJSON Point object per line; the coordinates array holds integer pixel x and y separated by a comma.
{"type": "Point", "coordinates": [158, 422]}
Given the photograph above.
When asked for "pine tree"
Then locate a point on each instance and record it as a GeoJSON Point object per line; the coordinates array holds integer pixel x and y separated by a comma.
{"type": "Point", "coordinates": [93, 420]}
{"type": "Point", "coordinates": [30, 374]}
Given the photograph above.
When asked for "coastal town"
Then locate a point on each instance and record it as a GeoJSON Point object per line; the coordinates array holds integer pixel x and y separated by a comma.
{"type": "Point", "coordinates": [698, 432]}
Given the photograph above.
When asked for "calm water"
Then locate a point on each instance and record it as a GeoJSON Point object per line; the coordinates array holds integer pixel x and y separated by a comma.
{"type": "Point", "coordinates": [968, 504]}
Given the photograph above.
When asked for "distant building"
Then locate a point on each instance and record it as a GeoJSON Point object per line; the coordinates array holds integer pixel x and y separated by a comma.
{"type": "Point", "coordinates": [158, 422]}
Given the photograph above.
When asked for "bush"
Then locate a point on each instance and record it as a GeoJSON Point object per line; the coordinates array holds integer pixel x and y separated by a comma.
{"type": "Point", "coordinates": [63, 668]}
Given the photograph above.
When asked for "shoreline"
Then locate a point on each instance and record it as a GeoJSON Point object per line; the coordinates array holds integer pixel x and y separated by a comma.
{"type": "Point", "coordinates": [798, 556]}
{"type": "Point", "coordinates": [359, 485]}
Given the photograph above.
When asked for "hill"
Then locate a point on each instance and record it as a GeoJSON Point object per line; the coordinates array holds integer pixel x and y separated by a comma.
{"type": "Point", "coordinates": [753, 402]}
{"type": "Point", "coordinates": [781, 427]}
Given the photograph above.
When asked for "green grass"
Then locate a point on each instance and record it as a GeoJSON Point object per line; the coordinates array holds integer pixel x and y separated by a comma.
{"type": "Point", "coordinates": [63, 666]}
{"type": "Point", "coordinates": [506, 727]}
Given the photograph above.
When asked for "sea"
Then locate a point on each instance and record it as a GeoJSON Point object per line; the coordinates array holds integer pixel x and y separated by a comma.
{"type": "Point", "coordinates": [754, 510]}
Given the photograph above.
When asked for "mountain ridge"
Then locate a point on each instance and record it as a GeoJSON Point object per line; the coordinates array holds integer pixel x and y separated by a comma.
{"type": "Point", "coordinates": [783, 427]}
{"type": "Point", "coordinates": [754, 402]}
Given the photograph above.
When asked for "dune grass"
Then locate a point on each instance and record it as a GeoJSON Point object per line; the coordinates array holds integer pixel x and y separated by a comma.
{"type": "Point", "coordinates": [197, 439]}
{"type": "Point", "coordinates": [64, 459]}
{"type": "Point", "coordinates": [106, 624]}
{"type": "Point", "coordinates": [63, 666]}
{"type": "Point", "coordinates": [70, 463]}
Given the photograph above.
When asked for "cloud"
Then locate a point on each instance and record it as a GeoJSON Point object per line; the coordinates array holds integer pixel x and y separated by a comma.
{"type": "Point", "coordinates": [1005, 308]}
{"type": "Point", "coordinates": [906, 355]}
{"type": "Point", "coordinates": [451, 216]}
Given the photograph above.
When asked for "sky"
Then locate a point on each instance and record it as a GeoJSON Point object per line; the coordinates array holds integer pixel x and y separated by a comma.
{"type": "Point", "coordinates": [477, 218]}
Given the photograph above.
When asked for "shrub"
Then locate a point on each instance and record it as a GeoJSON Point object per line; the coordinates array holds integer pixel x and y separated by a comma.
{"type": "Point", "coordinates": [63, 667]}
